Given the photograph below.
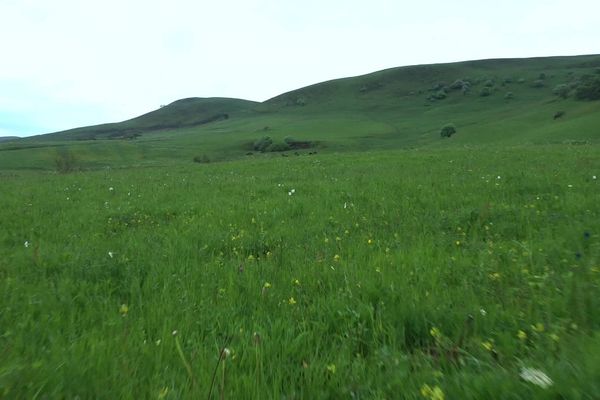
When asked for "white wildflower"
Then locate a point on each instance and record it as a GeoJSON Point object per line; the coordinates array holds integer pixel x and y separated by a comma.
{"type": "Point", "coordinates": [26, 244]}
{"type": "Point", "coordinates": [482, 312]}
{"type": "Point", "coordinates": [536, 377]}
{"type": "Point", "coordinates": [110, 189]}
{"type": "Point", "coordinates": [111, 254]}
{"type": "Point", "coordinates": [570, 186]}
{"type": "Point", "coordinates": [594, 177]}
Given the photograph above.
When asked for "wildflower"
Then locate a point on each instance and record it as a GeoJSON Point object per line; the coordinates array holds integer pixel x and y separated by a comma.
{"type": "Point", "coordinates": [539, 327]}
{"type": "Point", "coordinates": [345, 205]}
{"type": "Point", "coordinates": [495, 276]}
{"type": "Point", "coordinates": [336, 258]}
{"type": "Point", "coordinates": [331, 368]}
{"type": "Point", "coordinates": [554, 337]}
{"type": "Point", "coordinates": [482, 312]}
{"type": "Point", "coordinates": [174, 333]}
{"type": "Point", "coordinates": [267, 285]}
{"type": "Point", "coordinates": [26, 244]}
{"type": "Point", "coordinates": [296, 282]}
{"type": "Point", "coordinates": [124, 310]}
{"type": "Point", "coordinates": [250, 257]}
{"type": "Point", "coordinates": [436, 333]}
{"type": "Point", "coordinates": [432, 393]}
{"type": "Point", "coordinates": [487, 345]}
{"type": "Point", "coordinates": [570, 186]}
{"type": "Point", "coordinates": [594, 177]}
{"type": "Point", "coordinates": [291, 301]}
{"type": "Point", "coordinates": [291, 192]}
{"type": "Point", "coordinates": [370, 241]}
{"type": "Point", "coordinates": [225, 353]}
{"type": "Point", "coordinates": [458, 242]}
{"type": "Point", "coordinates": [536, 377]}
{"type": "Point", "coordinates": [111, 254]}
{"type": "Point", "coordinates": [110, 189]}
{"type": "Point", "coordinates": [522, 335]}
{"type": "Point", "coordinates": [498, 177]}
{"type": "Point", "coordinates": [163, 393]}
{"type": "Point", "coordinates": [158, 342]}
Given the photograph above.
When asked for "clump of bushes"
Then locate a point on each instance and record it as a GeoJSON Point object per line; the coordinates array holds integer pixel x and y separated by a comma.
{"type": "Point", "coordinates": [485, 91]}
{"type": "Point", "coordinates": [562, 90]}
{"type": "Point", "coordinates": [263, 144]}
{"type": "Point", "coordinates": [588, 88]}
{"type": "Point", "coordinates": [539, 83]}
{"type": "Point", "coordinates": [203, 159]}
{"type": "Point", "coordinates": [447, 130]}
{"type": "Point", "coordinates": [65, 161]}
{"type": "Point", "coordinates": [266, 144]}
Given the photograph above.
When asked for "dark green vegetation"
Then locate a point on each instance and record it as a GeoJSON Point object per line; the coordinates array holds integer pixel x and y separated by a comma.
{"type": "Point", "coordinates": [507, 101]}
{"type": "Point", "coordinates": [418, 264]}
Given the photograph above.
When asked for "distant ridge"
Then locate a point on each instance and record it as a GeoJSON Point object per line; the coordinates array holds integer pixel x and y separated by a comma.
{"type": "Point", "coordinates": [8, 138]}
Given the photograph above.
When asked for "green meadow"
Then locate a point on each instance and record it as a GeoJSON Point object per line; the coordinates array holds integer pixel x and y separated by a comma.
{"type": "Point", "coordinates": [382, 262]}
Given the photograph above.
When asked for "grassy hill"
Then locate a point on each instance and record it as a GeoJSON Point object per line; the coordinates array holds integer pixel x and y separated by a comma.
{"type": "Point", "coordinates": [502, 101]}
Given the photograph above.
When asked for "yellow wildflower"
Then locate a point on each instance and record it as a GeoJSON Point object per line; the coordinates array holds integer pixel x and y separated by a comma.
{"type": "Point", "coordinates": [331, 368]}
{"type": "Point", "coordinates": [336, 257]}
{"type": "Point", "coordinates": [522, 335]}
{"type": "Point", "coordinates": [430, 393]}
{"type": "Point", "coordinates": [124, 310]}
{"type": "Point", "coordinates": [296, 282]}
{"type": "Point", "coordinates": [291, 301]}
{"type": "Point", "coordinates": [488, 345]}
{"type": "Point", "coordinates": [539, 327]}
{"type": "Point", "coordinates": [267, 285]}
{"type": "Point", "coordinates": [436, 333]}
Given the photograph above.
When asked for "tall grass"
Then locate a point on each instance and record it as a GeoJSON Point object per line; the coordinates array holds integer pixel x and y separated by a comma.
{"type": "Point", "coordinates": [400, 274]}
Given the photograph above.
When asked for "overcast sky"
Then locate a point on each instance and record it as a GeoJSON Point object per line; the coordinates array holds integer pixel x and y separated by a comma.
{"type": "Point", "coordinates": [70, 63]}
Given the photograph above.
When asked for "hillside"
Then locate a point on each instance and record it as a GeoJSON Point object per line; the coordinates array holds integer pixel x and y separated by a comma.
{"type": "Point", "coordinates": [500, 101]}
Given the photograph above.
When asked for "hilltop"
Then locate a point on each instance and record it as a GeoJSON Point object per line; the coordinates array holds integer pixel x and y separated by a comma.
{"type": "Point", "coordinates": [497, 101]}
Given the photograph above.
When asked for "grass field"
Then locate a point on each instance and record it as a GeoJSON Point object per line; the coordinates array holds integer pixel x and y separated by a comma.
{"type": "Point", "coordinates": [424, 273]}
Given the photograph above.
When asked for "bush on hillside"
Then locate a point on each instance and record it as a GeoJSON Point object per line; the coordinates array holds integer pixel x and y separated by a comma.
{"type": "Point", "coordinates": [542, 76]}
{"type": "Point", "coordinates": [203, 159]}
{"type": "Point", "coordinates": [448, 130]}
{"type": "Point", "coordinates": [489, 83]}
{"type": "Point", "coordinates": [562, 90]}
{"type": "Point", "coordinates": [263, 144]}
{"type": "Point", "coordinates": [485, 91]}
{"type": "Point", "coordinates": [588, 89]}
{"type": "Point", "coordinates": [509, 96]}
{"type": "Point", "coordinates": [65, 161]}
{"type": "Point", "coordinates": [277, 147]}
{"type": "Point", "coordinates": [538, 84]}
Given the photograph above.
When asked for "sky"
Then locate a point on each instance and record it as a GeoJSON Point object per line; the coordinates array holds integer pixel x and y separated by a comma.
{"type": "Point", "coordinates": [71, 63]}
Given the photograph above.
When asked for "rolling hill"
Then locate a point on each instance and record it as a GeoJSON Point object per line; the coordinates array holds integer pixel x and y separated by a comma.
{"type": "Point", "coordinates": [497, 101]}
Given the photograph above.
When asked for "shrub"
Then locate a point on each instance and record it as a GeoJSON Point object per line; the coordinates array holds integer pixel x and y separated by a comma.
{"type": "Point", "coordinates": [562, 90]}
{"type": "Point", "coordinates": [537, 84]}
{"type": "Point", "coordinates": [588, 89]}
{"type": "Point", "coordinates": [542, 76]}
{"type": "Point", "coordinates": [558, 114]}
{"type": "Point", "coordinates": [486, 91]}
{"type": "Point", "coordinates": [509, 96]}
{"type": "Point", "coordinates": [65, 161]}
{"type": "Point", "coordinates": [275, 147]}
{"type": "Point", "coordinates": [448, 130]}
{"type": "Point", "coordinates": [489, 83]}
{"type": "Point", "coordinates": [202, 159]}
{"type": "Point", "coordinates": [263, 143]}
